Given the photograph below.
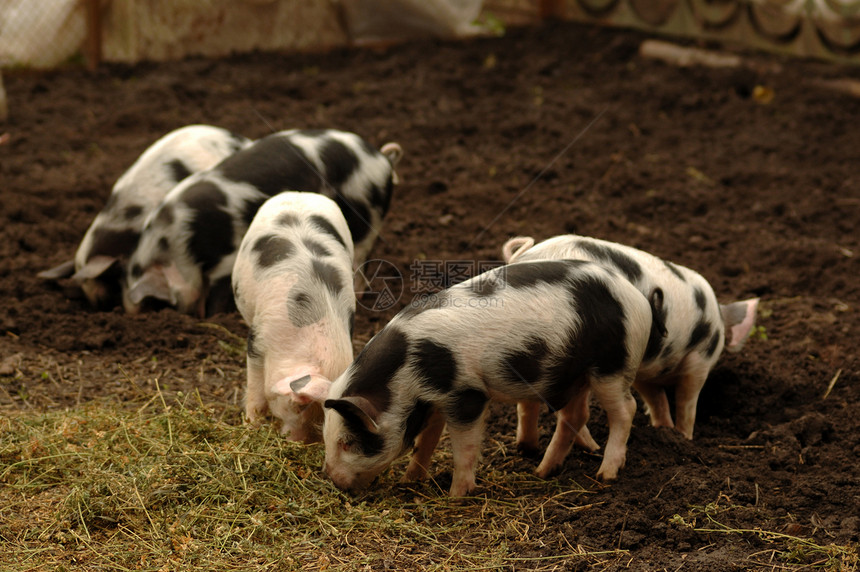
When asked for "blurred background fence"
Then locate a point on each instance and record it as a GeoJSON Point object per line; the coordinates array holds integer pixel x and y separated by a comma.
{"type": "Point", "coordinates": [48, 33]}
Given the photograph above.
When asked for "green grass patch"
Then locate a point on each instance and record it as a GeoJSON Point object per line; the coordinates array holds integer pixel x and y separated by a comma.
{"type": "Point", "coordinates": [176, 486]}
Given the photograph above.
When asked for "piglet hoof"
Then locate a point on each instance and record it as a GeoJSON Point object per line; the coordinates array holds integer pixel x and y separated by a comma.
{"type": "Point", "coordinates": [461, 487]}
{"type": "Point", "coordinates": [585, 441]}
{"type": "Point", "coordinates": [414, 473]}
{"type": "Point", "coordinates": [546, 470]}
{"type": "Point", "coordinates": [609, 471]}
{"type": "Point", "coordinates": [528, 450]}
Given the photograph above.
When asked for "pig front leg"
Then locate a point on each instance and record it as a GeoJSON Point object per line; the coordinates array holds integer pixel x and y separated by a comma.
{"type": "Point", "coordinates": [256, 405]}
{"type": "Point", "coordinates": [614, 396]}
{"type": "Point", "coordinates": [656, 403]}
{"type": "Point", "coordinates": [527, 427]}
{"type": "Point", "coordinates": [466, 449]}
{"type": "Point", "coordinates": [425, 444]}
{"type": "Point", "coordinates": [694, 372]}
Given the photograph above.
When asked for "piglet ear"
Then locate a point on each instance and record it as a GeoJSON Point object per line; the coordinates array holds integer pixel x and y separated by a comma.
{"type": "Point", "coordinates": [739, 319]}
{"type": "Point", "coordinates": [95, 267]}
{"type": "Point", "coordinates": [305, 389]}
{"type": "Point", "coordinates": [64, 270]}
{"type": "Point", "coordinates": [515, 247]}
{"type": "Point", "coordinates": [153, 284]}
{"type": "Point", "coordinates": [356, 411]}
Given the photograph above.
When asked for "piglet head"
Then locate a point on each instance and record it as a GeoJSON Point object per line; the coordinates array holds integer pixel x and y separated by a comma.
{"type": "Point", "coordinates": [356, 451]}
{"type": "Point", "coordinates": [739, 319]}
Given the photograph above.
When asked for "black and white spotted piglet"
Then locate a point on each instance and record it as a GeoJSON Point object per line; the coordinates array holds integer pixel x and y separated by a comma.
{"type": "Point", "coordinates": [694, 327]}
{"type": "Point", "coordinates": [546, 332]}
{"type": "Point", "coordinates": [293, 285]}
{"type": "Point", "coordinates": [98, 265]}
{"type": "Point", "coordinates": [188, 245]}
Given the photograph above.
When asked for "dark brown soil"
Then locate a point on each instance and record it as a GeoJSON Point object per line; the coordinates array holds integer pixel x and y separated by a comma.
{"type": "Point", "coordinates": [545, 131]}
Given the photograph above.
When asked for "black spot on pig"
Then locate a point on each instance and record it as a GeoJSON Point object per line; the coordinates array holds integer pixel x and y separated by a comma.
{"type": "Point", "coordinates": [658, 324]}
{"type": "Point", "coordinates": [203, 195]}
{"type": "Point", "coordinates": [524, 365]}
{"type": "Point", "coordinates": [163, 244]}
{"type": "Point", "coordinates": [117, 243]}
{"type": "Point", "coordinates": [699, 333]}
{"type": "Point", "coordinates": [250, 208]}
{"type": "Point", "coordinates": [486, 284]}
{"type": "Point", "coordinates": [434, 365]}
{"type": "Point", "coordinates": [316, 248]}
{"type": "Point", "coordinates": [713, 344]}
{"type": "Point", "coordinates": [674, 270]}
{"type": "Point", "coordinates": [178, 170]}
{"type": "Point", "coordinates": [369, 444]}
{"type": "Point", "coordinates": [329, 276]}
{"type": "Point", "coordinates": [287, 219]}
{"type": "Point", "coordinates": [376, 366]}
{"type": "Point", "coordinates": [272, 249]}
{"type": "Point", "coordinates": [237, 141]}
{"type": "Point", "coordinates": [602, 333]}
{"type": "Point", "coordinates": [303, 309]}
{"type": "Point", "coordinates": [219, 298]}
{"type": "Point", "coordinates": [132, 212]}
{"type": "Point", "coordinates": [273, 164]}
{"type": "Point", "coordinates": [350, 323]}
{"type": "Point", "coordinates": [701, 300]}
{"type": "Point", "coordinates": [357, 215]}
{"type": "Point", "coordinates": [211, 237]}
{"type": "Point", "coordinates": [415, 422]}
{"type": "Point", "coordinates": [339, 160]}
{"type": "Point", "coordinates": [606, 254]}
{"type": "Point", "coordinates": [327, 227]}
{"type": "Point", "coordinates": [529, 274]}
{"type": "Point", "coordinates": [466, 406]}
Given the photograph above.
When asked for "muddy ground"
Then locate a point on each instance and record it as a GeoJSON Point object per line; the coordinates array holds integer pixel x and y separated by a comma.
{"type": "Point", "coordinates": [748, 175]}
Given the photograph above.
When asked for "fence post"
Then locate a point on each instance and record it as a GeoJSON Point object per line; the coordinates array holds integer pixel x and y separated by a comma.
{"type": "Point", "coordinates": [94, 34]}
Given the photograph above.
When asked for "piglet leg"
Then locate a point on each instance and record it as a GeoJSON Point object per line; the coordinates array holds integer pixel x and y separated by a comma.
{"type": "Point", "coordinates": [256, 404]}
{"type": "Point", "coordinates": [425, 444]}
{"type": "Point", "coordinates": [527, 427]}
{"type": "Point", "coordinates": [466, 449]}
{"type": "Point", "coordinates": [614, 396]}
{"type": "Point", "coordinates": [656, 403]}
{"type": "Point", "coordinates": [694, 374]}
{"type": "Point", "coordinates": [569, 421]}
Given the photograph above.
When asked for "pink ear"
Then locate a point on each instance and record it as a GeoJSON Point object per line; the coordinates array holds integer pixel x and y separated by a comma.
{"type": "Point", "coordinates": [95, 267]}
{"type": "Point", "coordinates": [739, 319]}
{"type": "Point", "coordinates": [305, 389]}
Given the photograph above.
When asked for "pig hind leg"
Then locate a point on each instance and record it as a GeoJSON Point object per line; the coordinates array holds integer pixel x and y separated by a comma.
{"type": "Point", "coordinates": [527, 427]}
{"type": "Point", "coordinates": [570, 421]}
{"type": "Point", "coordinates": [256, 405]}
{"type": "Point", "coordinates": [614, 396]}
{"type": "Point", "coordinates": [694, 372]}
